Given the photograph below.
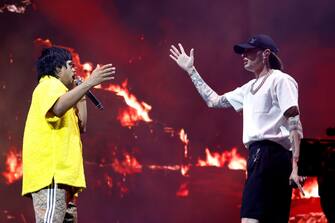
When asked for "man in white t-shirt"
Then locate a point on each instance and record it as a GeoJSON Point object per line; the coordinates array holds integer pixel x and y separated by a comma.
{"type": "Point", "coordinates": [271, 127]}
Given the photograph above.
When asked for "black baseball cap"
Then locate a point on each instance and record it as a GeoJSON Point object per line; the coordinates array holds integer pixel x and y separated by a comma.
{"type": "Point", "coordinates": [258, 41]}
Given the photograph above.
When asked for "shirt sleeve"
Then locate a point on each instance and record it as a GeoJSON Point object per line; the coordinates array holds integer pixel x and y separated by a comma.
{"type": "Point", "coordinates": [49, 93]}
{"type": "Point", "coordinates": [236, 97]}
{"type": "Point", "coordinates": [286, 90]}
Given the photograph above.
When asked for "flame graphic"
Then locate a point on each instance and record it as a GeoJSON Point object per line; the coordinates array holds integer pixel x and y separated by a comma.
{"type": "Point", "coordinates": [129, 165]}
{"type": "Point", "coordinates": [184, 139]}
{"type": "Point", "coordinates": [311, 188]}
{"type": "Point", "coordinates": [164, 167]}
{"type": "Point", "coordinates": [317, 217]}
{"type": "Point", "coordinates": [137, 111]}
{"type": "Point", "coordinates": [185, 167]}
{"type": "Point", "coordinates": [183, 190]}
{"type": "Point", "coordinates": [233, 160]}
{"type": "Point", "coordinates": [13, 166]}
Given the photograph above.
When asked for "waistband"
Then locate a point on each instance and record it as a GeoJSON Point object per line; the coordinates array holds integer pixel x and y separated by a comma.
{"type": "Point", "coordinates": [266, 143]}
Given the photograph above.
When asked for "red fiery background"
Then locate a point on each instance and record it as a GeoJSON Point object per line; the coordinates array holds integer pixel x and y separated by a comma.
{"type": "Point", "coordinates": [156, 153]}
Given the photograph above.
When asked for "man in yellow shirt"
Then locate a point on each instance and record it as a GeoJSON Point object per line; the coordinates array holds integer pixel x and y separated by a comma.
{"type": "Point", "coordinates": [52, 151]}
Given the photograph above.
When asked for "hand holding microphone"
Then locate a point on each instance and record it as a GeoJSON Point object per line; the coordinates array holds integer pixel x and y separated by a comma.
{"type": "Point", "coordinates": [100, 74]}
{"type": "Point", "coordinates": [90, 95]}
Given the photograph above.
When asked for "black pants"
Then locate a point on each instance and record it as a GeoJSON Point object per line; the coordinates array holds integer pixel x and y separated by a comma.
{"type": "Point", "coordinates": [267, 193]}
{"type": "Point", "coordinates": [327, 194]}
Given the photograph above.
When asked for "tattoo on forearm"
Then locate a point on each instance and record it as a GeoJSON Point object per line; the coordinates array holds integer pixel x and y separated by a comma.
{"type": "Point", "coordinates": [210, 97]}
{"type": "Point", "coordinates": [224, 103]}
{"type": "Point", "coordinates": [294, 124]}
{"type": "Point", "coordinates": [296, 134]}
{"type": "Point", "coordinates": [293, 145]}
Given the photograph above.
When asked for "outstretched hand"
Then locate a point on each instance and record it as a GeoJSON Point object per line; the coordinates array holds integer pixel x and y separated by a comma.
{"type": "Point", "coordinates": [101, 74]}
{"type": "Point", "coordinates": [181, 58]}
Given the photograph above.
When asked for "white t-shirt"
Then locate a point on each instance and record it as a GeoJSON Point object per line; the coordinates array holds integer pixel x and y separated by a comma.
{"type": "Point", "coordinates": [263, 112]}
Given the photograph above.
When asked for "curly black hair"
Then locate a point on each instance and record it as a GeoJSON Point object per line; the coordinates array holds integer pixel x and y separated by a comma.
{"type": "Point", "coordinates": [51, 59]}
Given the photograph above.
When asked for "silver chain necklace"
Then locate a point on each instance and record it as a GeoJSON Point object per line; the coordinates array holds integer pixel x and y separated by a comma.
{"type": "Point", "coordinates": [254, 91]}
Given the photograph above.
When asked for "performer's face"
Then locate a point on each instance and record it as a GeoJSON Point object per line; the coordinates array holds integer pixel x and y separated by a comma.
{"type": "Point", "coordinates": [67, 74]}
{"type": "Point", "coordinates": [252, 59]}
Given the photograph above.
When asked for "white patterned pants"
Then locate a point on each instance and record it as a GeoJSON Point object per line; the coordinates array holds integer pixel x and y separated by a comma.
{"type": "Point", "coordinates": [55, 204]}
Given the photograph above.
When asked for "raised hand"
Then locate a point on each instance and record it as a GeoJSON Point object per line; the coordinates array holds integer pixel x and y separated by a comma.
{"type": "Point", "coordinates": [101, 74]}
{"type": "Point", "coordinates": [71, 98]}
{"type": "Point", "coordinates": [181, 58]}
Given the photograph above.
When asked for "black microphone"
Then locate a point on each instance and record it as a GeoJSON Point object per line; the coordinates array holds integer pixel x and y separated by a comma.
{"type": "Point", "coordinates": [90, 95]}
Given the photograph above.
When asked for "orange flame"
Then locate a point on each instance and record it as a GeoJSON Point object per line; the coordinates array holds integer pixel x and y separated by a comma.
{"type": "Point", "coordinates": [127, 166]}
{"type": "Point", "coordinates": [185, 167]}
{"type": "Point", "coordinates": [164, 167]}
{"type": "Point", "coordinates": [318, 217]}
{"type": "Point", "coordinates": [13, 166]}
{"type": "Point", "coordinates": [183, 190]}
{"type": "Point", "coordinates": [184, 139]}
{"type": "Point", "coordinates": [234, 160]}
{"type": "Point", "coordinates": [311, 188]}
{"type": "Point", "coordinates": [137, 111]}
{"type": "Point", "coordinates": [183, 136]}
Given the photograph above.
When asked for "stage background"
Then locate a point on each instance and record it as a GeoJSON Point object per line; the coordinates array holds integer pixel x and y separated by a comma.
{"type": "Point", "coordinates": [136, 36]}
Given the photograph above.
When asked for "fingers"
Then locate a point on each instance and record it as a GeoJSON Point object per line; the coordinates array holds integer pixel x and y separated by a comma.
{"type": "Point", "coordinates": [174, 53]}
{"type": "Point", "coordinates": [109, 78]}
{"type": "Point", "coordinates": [106, 69]}
{"type": "Point", "coordinates": [105, 72]}
{"type": "Point", "coordinates": [173, 58]}
{"type": "Point", "coordinates": [175, 50]}
{"type": "Point", "coordinates": [192, 53]}
{"type": "Point", "coordinates": [106, 66]}
{"type": "Point", "coordinates": [181, 48]}
{"type": "Point", "coordinates": [302, 180]}
{"type": "Point", "coordinates": [109, 70]}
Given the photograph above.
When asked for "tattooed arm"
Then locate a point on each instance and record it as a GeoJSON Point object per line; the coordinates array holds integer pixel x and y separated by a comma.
{"type": "Point", "coordinates": [186, 63]}
{"type": "Point", "coordinates": [212, 99]}
{"type": "Point", "coordinates": [295, 128]}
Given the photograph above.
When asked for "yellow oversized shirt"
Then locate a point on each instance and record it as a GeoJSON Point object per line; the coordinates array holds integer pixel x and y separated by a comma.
{"type": "Point", "coordinates": [51, 145]}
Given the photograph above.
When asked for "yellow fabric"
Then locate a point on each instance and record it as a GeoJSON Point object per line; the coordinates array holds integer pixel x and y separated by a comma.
{"type": "Point", "coordinates": [51, 145]}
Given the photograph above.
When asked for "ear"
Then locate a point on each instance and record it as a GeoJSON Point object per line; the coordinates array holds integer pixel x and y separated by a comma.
{"type": "Point", "coordinates": [266, 53]}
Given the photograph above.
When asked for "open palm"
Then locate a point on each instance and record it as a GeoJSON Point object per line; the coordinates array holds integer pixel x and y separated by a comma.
{"type": "Point", "coordinates": [181, 58]}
